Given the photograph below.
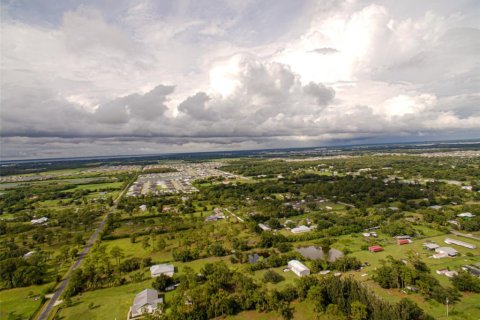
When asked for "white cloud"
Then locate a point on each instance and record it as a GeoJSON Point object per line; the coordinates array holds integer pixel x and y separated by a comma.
{"type": "Point", "coordinates": [190, 75]}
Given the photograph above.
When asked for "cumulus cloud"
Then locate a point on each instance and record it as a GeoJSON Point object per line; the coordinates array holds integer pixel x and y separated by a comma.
{"type": "Point", "coordinates": [324, 50]}
{"type": "Point", "coordinates": [160, 78]}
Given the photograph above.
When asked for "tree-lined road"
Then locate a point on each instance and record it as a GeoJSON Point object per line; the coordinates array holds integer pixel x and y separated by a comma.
{"type": "Point", "coordinates": [47, 309]}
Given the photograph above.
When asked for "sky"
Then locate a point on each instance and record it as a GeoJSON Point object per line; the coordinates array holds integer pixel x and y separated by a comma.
{"type": "Point", "coordinates": [117, 77]}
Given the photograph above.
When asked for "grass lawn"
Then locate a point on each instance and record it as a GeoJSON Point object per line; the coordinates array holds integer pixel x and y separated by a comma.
{"type": "Point", "coordinates": [97, 186]}
{"type": "Point", "coordinates": [110, 303]}
{"type": "Point", "coordinates": [21, 301]}
{"type": "Point", "coordinates": [136, 249]}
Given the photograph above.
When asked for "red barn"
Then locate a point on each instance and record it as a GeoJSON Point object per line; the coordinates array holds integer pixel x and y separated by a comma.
{"type": "Point", "coordinates": [403, 241]}
{"type": "Point", "coordinates": [375, 249]}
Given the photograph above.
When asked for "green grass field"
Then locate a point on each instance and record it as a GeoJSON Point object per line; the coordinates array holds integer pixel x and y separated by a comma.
{"type": "Point", "coordinates": [110, 303]}
{"type": "Point", "coordinates": [21, 302]}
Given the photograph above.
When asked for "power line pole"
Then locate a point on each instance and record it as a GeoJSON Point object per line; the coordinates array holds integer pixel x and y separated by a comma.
{"type": "Point", "coordinates": [447, 307]}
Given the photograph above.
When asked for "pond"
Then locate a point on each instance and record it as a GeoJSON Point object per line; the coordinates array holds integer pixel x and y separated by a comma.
{"type": "Point", "coordinates": [314, 253]}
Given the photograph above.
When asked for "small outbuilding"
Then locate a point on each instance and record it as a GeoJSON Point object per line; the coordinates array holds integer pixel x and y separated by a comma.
{"type": "Point", "coordinates": [375, 248]}
{"type": "Point", "coordinates": [431, 245]}
{"type": "Point", "coordinates": [301, 229]}
{"type": "Point", "coordinates": [298, 268]}
{"type": "Point", "coordinates": [467, 215]}
{"type": "Point", "coordinates": [41, 220]}
{"type": "Point", "coordinates": [264, 227]}
{"type": "Point", "coordinates": [165, 268]}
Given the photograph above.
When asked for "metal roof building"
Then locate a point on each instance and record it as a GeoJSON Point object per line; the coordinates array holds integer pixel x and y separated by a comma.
{"type": "Point", "coordinates": [298, 268]}
{"type": "Point", "coordinates": [166, 269]}
{"type": "Point", "coordinates": [146, 301]}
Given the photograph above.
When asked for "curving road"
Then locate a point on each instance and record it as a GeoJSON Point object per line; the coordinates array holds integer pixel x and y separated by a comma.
{"type": "Point", "coordinates": [47, 310]}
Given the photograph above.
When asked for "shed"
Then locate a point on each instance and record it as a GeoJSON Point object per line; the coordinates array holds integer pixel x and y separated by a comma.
{"type": "Point", "coordinates": [375, 248]}
{"type": "Point", "coordinates": [431, 246]}
{"type": "Point", "coordinates": [301, 229]}
{"type": "Point", "coordinates": [166, 269]}
{"type": "Point", "coordinates": [298, 268]}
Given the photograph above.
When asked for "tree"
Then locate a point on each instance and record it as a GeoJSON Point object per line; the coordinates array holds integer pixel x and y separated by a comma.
{"type": "Point", "coordinates": [272, 276]}
{"type": "Point", "coordinates": [73, 253]}
{"type": "Point", "coordinates": [117, 254]}
{"type": "Point", "coordinates": [466, 282]}
{"type": "Point", "coordinates": [162, 282]}
{"type": "Point", "coordinates": [358, 311]}
{"type": "Point", "coordinates": [146, 243]}
{"type": "Point", "coordinates": [216, 249]}
{"type": "Point", "coordinates": [161, 244]}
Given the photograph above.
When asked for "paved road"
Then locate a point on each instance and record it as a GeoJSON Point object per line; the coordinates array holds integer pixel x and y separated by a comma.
{"type": "Point", "coordinates": [63, 285]}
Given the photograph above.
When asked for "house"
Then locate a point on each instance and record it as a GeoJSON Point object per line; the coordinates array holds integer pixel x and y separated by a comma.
{"type": "Point", "coordinates": [375, 249]}
{"type": "Point", "coordinates": [264, 227]}
{"type": "Point", "coordinates": [403, 241]}
{"type": "Point", "coordinates": [467, 215]}
{"type": "Point", "coordinates": [468, 188]}
{"type": "Point", "coordinates": [403, 237]}
{"type": "Point", "coordinates": [146, 301]}
{"type": "Point", "coordinates": [472, 269]}
{"type": "Point", "coordinates": [447, 273]}
{"type": "Point", "coordinates": [166, 269]}
{"type": "Point", "coordinates": [435, 207]}
{"type": "Point", "coordinates": [443, 252]}
{"type": "Point", "coordinates": [143, 207]}
{"type": "Point", "coordinates": [41, 220]}
{"type": "Point", "coordinates": [301, 229]}
{"type": "Point", "coordinates": [460, 243]}
{"type": "Point", "coordinates": [298, 268]}
{"type": "Point", "coordinates": [431, 246]}
{"type": "Point", "coordinates": [366, 234]}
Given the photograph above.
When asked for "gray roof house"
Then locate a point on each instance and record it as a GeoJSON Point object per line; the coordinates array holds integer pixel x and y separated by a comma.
{"type": "Point", "coordinates": [146, 301]}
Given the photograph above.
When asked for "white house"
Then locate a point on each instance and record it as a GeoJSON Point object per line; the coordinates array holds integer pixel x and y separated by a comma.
{"type": "Point", "coordinates": [166, 269]}
{"type": "Point", "coordinates": [41, 220]}
{"type": "Point", "coordinates": [301, 229]}
{"type": "Point", "coordinates": [466, 215]}
{"type": "Point", "coordinates": [298, 268]}
{"type": "Point", "coordinates": [143, 207]}
{"type": "Point", "coordinates": [460, 243]}
{"type": "Point", "coordinates": [146, 301]}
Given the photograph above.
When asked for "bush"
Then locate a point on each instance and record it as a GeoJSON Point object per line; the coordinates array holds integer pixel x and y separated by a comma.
{"type": "Point", "coordinates": [162, 282]}
{"type": "Point", "coordinates": [272, 276]}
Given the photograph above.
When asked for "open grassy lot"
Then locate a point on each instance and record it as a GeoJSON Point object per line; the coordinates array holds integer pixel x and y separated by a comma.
{"type": "Point", "coordinates": [21, 302]}
{"type": "Point", "coordinates": [110, 303]}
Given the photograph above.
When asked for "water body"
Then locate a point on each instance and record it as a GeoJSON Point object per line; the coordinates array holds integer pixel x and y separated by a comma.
{"type": "Point", "coordinates": [315, 253]}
